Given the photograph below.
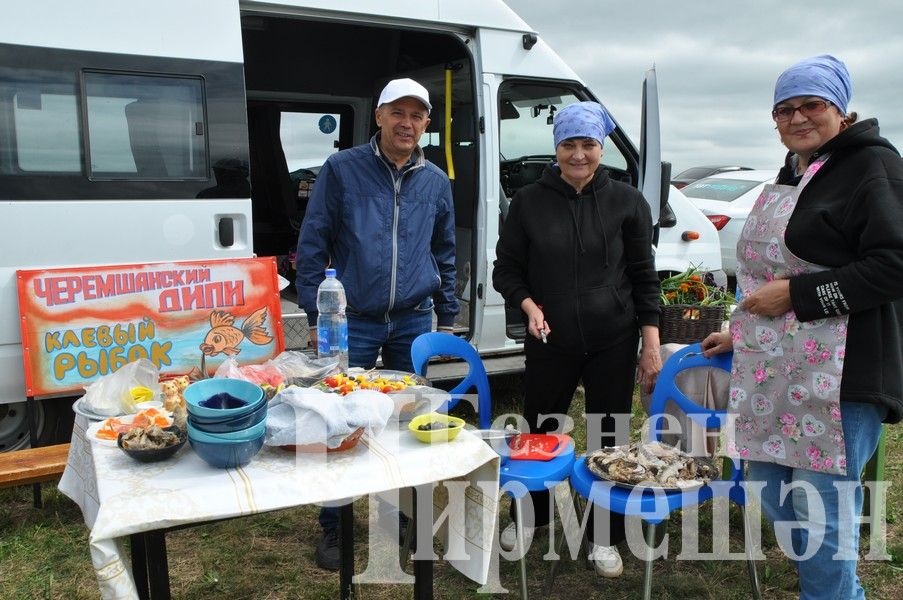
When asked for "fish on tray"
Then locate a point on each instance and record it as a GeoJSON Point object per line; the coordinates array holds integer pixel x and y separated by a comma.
{"type": "Point", "coordinates": [652, 464]}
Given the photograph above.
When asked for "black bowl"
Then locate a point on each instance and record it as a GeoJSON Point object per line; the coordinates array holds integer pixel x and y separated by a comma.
{"type": "Point", "coordinates": [159, 454]}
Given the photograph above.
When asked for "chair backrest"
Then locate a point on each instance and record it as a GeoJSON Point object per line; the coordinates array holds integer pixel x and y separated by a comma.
{"type": "Point", "coordinates": [435, 343]}
{"type": "Point", "coordinates": [666, 389]}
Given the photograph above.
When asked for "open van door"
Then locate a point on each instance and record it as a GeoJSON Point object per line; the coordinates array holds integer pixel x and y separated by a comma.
{"type": "Point", "coordinates": [650, 176]}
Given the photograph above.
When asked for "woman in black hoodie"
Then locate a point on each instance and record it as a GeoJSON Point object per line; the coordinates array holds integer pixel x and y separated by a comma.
{"type": "Point", "coordinates": [575, 254]}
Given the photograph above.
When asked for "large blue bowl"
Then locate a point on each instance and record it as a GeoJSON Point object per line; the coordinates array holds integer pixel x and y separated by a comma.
{"type": "Point", "coordinates": [228, 424]}
{"type": "Point", "coordinates": [200, 393]}
{"type": "Point", "coordinates": [227, 437]}
{"type": "Point", "coordinates": [227, 455]}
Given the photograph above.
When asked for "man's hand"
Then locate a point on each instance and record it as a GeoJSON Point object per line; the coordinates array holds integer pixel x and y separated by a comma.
{"type": "Point", "coordinates": [313, 337]}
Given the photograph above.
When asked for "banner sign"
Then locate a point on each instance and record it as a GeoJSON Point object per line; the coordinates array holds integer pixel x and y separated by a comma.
{"type": "Point", "coordinates": [80, 323]}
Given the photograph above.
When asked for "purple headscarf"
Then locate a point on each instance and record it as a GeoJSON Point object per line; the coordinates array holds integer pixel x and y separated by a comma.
{"type": "Point", "coordinates": [823, 76]}
{"type": "Point", "coordinates": [582, 120]}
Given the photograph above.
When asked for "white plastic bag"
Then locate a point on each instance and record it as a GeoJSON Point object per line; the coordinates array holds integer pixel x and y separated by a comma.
{"type": "Point", "coordinates": [111, 395]}
{"type": "Point", "coordinates": [264, 374]}
{"type": "Point", "coordinates": [300, 369]}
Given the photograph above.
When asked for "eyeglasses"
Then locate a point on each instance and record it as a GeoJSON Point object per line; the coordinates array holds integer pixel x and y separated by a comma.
{"type": "Point", "coordinates": [782, 114]}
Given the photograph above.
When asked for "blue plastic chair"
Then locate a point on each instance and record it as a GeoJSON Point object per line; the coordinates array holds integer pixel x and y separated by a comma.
{"type": "Point", "coordinates": [532, 475]}
{"type": "Point", "coordinates": [655, 506]}
{"type": "Point", "coordinates": [432, 344]}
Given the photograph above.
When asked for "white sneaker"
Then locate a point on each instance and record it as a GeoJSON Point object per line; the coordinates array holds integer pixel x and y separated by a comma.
{"type": "Point", "coordinates": [508, 539]}
{"type": "Point", "coordinates": [606, 560]}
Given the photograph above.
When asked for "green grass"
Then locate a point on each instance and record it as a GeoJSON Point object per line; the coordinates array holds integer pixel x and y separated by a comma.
{"type": "Point", "coordinates": [44, 553]}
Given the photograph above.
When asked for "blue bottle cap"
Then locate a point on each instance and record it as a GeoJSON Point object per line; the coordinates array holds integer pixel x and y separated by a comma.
{"type": "Point", "coordinates": [330, 272]}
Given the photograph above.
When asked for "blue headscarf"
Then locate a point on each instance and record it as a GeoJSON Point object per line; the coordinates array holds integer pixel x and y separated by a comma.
{"type": "Point", "coordinates": [823, 76]}
{"type": "Point", "coordinates": [582, 120]}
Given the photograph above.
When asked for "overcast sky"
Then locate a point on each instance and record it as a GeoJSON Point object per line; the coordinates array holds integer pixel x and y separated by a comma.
{"type": "Point", "coordinates": [717, 62]}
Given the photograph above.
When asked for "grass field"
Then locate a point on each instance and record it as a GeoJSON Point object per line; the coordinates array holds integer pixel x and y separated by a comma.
{"type": "Point", "coordinates": [44, 553]}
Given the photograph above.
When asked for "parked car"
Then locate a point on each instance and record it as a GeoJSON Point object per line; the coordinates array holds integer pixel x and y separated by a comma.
{"type": "Point", "coordinates": [726, 199]}
{"type": "Point", "coordinates": [687, 238]}
{"type": "Point", "coordinates": [692, 174]}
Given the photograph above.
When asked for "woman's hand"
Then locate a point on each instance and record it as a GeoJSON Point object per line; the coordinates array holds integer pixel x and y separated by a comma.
{"type": "Point", "coordinates": [650, 363]}
{"type": "Point", "coordinates": [770, 300]}
{"type": "Point", "coordinates": [716, 343]}
{"type": "Point", "coordinates": [536, 321]}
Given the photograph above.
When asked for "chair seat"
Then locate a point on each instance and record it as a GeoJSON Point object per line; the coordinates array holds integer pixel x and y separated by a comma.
{"type": "Point", "coordinates": [534, 474]}
{"type": "Point", "coordinates": [653, 505]}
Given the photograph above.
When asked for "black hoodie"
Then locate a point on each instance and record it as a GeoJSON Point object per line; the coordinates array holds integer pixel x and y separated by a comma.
{"type": "Point", "coordinates": [849, 218]}
{"type": "Point", "coordinates": [585, 258]}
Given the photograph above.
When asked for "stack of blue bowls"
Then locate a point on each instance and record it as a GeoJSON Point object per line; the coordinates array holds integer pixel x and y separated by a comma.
{"type": "Point", "coordinates": [226, 420]}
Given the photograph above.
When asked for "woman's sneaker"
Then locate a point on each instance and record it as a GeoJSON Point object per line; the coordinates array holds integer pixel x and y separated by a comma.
{"type": "Point", "coordinates": [508, 539]}
{"type": "Point", "coordinates": [606, 560]}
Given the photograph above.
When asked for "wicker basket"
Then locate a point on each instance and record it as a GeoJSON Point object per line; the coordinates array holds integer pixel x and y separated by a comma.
{"type": "Point", "coordinates": [689, 323]}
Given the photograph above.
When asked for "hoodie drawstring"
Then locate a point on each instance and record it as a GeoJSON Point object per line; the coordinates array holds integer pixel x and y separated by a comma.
{"type": "Point", "coordinates": [601, 228]}
{"type": "Point", "coordinates": [573, 207]}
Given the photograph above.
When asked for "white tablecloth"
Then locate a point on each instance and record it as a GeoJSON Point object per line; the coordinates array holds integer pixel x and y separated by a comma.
{"type": "Point", "coordinates": [119, 496]}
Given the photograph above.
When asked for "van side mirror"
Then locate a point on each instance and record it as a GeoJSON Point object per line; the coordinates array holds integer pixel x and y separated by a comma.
{"type": "Point", "coordinates": [665, 185]}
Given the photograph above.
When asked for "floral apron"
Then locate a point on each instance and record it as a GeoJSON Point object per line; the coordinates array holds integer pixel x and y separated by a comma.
{"type": "Point", "coordinates": [785, 378]}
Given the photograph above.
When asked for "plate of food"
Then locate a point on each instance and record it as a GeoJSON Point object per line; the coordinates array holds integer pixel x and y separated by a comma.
{"type": "Point", "coordinates": [380, 380]}
{"type": "Point", "coordinates": [107, 431]}
{"type": "Point", "coordinates": [652, 465]}
{"type": "Point", "coordinates": [151, 443]}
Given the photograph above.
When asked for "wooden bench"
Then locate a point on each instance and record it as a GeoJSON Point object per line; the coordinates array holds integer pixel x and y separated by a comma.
{"type": "Point", "coordinates": [32, 465]}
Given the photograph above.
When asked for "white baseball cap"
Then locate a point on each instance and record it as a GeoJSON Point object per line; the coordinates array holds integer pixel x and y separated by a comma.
{"type": "Point", "coordinates": [401, 88]}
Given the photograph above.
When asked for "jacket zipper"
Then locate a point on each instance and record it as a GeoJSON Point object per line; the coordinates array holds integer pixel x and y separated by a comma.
{"type": "Point", "coordinates": [393, 279]}
{"type": "Point", "coordinates": [576, 276]}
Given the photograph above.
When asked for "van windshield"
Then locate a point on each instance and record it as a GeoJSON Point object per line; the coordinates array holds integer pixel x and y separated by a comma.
{"type": "Point", "coordinates": [526, 114]}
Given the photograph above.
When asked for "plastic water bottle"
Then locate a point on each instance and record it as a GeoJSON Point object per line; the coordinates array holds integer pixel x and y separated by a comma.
{"type": "Point", "coordinates": [332, 325]}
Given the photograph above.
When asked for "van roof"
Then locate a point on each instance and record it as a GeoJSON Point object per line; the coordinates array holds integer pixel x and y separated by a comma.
{"type": "Point", "coordinates": [494, 14]}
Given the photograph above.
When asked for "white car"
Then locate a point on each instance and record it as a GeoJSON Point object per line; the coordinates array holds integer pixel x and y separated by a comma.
{"type": "Point", "coordinates": [726, 199]}
{"type": "Point", "coordinates": [687, 238]}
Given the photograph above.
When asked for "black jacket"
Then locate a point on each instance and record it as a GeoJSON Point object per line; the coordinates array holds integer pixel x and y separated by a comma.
{"type": "Point", "coordinates": [585, 258]}
{"type": "Point", "coordinates": [850, 218]}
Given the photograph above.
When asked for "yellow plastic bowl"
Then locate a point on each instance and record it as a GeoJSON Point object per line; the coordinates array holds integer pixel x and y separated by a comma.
{"type": "Point", "coordinates": [446, 434]}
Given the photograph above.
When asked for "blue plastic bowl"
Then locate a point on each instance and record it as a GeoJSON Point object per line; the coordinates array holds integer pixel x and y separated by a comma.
{"type": "Point", "coordinates": [199, 394]}
{"type": "Point", "coordinates": [227, 437]}
{"type": "Point", "coordinates": [228, 424]}
{"type": "Point", "coordinates": [227, 455]}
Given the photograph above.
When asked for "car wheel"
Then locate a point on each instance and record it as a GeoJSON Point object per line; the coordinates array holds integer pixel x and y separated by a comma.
{"type": "Point", "coordinates": [54, 423]}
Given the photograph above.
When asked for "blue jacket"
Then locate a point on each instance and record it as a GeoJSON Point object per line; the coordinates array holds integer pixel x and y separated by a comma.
{"type": "Point", "coordinates": [389, 235]}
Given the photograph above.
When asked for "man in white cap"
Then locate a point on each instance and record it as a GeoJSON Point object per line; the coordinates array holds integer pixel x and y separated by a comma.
{"type": "Point", "coordinates": [383, 217]}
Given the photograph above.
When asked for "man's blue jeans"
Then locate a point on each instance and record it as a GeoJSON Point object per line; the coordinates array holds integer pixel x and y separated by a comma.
{"type": "Point", "coordinates": [822, 576]}
{"type": "Point", "coordinates": [366, 338]}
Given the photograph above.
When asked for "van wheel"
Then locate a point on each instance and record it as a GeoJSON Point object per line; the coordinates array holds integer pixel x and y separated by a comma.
{"type": "Point", "coordinates": [53, 423]}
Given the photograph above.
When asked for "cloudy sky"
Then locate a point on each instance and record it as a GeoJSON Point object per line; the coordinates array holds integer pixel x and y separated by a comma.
{"type": "Point", "coordinates": [717, 62]}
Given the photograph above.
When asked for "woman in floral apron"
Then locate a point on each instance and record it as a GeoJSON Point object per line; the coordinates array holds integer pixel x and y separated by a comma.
{"type": "Point", "coordinates": [817, 339]}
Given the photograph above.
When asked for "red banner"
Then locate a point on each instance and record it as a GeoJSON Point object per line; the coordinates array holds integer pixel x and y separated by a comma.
{"type": "Point", "coordinates": [81, 323]}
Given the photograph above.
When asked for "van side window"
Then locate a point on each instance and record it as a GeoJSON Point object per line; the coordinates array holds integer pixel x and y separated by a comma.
{"type": "Point", "coordinates": [46, 126]}
{"type": "Point", "coordinates": [145, 126]}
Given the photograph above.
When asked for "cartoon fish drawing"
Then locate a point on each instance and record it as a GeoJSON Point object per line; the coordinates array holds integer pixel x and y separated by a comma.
{"type": "Point", "coordinates": [224, 337]}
